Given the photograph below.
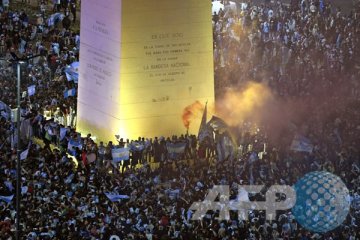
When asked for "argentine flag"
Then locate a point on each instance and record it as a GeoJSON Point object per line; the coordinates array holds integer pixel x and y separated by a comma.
{"type": "Point", "coordinates": [72, 72]}
{"type": "Point", "coordinates": [115, 197]}
{"type": "Point", "coordinates": [176, 148]}
{"type": "Point", "coordinates": [137, 147]}
{"type": "Point", "coordinates": [55, 19]}
{"type": "Point", "coordinates": [24, 154]}
{"type": "Point", "coordinates": [72, 145]}
{"type": "Point", "coordinates": [70, 93]}
{"type": "Point", "coordinates": [7, 199]}
{"type": "Point", "coordinates": [120, 154]}
{"type": "Point", "coordinates": [31, 90]}
{"type": "Point", "coordinates": [301, 144]}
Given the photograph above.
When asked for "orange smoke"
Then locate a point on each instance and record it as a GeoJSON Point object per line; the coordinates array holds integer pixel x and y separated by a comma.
{"type": "Point", "coordinates": [190, 112]}
{"type": "Point", "coordinates": [238, 105]}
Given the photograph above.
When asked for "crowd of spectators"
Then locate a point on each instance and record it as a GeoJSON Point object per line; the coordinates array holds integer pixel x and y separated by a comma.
{"type": "Point", "coordinates": [306, 51]}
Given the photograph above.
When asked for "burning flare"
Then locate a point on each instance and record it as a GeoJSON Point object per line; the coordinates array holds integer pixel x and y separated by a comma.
{"type": "Point", "coordinates": [190, 112]}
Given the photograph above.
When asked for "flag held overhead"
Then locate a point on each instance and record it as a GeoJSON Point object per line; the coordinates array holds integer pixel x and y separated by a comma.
{"type": "Point", "coordinates": [31, 90]}
{"type": "Point", "coordinates": [120, 154]}
{"type": "Point", "coordinates": [176, 148]}
{"type": "Point", "coordinates": [70, 93]}
{"type": "Point", "coordinates": [205, 131]}
{"type": "Point", "coordinates": [72, 145]}
{"type": "Point", "coordinates": [113, 197]}
{"type": "Point", "coordinates": [24, 154]}
{"type": "Point", "coordinates": [7, 199]}
{"type": "Point", "coordinates": [218, 124]}
{"type": "Point", "coordinates": [72, 72]}
{"type": "Point", "coordinates": [301, 144]}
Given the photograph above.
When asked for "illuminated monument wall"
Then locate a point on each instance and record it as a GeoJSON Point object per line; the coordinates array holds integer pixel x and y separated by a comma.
{"type": "Point", "coordinates": [141, 63]}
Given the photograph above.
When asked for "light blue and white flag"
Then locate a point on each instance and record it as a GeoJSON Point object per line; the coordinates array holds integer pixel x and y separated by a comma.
{"type": "Point", "coordinates": [116, 197]}
{"type": "Point", "coordinates": [176, 148]}
{"type": "Point", "coordinates": [205, 131]}
{"type": "Point", "coordinates": [70, 93]}
{"type": "Point", "coordinates": [72, 72]}
{"type": "Point", "coordinates": [120, 154]}
{"type": "Point", "coordinates": [55, 19]}
{"type": "Point", "coordinates": [24, 190]}
{"type": "Point", "coordinates": [72, 145]}
{"type": "Point", "coordinates": [301, 144]}
{"type": "Point", "coordinates": [173, 194]}
{"type": "Point", "coordinates": [136, 146]}
{"type": "Point", "coordinates": [31, 90]}
{"type": "Point", "coordinates": [24, 154]}
{"type": "Point", "coordinates": [75, 66]}
{"type": "Point", "coordinates": [218, 124]}
{"type": "Point", "coordinates": [7, 199]}
{"type": "Point", "coordinates": [9, 185]}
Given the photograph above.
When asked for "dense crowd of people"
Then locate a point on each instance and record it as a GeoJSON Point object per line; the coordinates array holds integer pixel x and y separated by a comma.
{"type": "Point", "coordinates": [306, 52]}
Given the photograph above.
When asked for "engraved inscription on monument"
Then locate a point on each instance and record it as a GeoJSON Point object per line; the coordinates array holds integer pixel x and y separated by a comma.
{"type": "Point", "coordinates": [166, 61]}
